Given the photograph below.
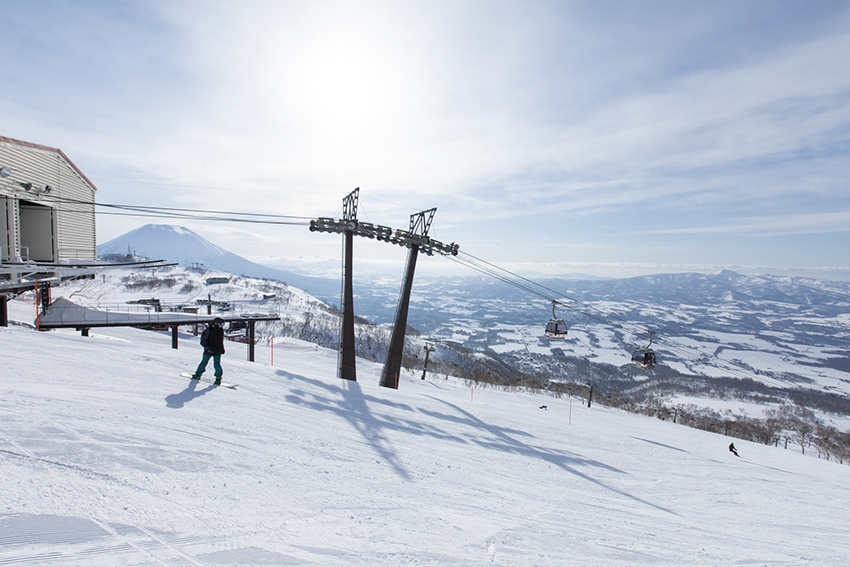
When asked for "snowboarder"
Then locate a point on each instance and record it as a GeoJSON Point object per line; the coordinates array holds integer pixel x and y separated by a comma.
{"type": "Point", "coordinates": [212, 340]}
{"type": "Point", "coordinates": [733, 450]}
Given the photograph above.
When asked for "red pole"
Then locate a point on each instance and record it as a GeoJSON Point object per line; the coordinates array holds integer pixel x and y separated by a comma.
{"type": "Point", "coordinates": [36, 305]}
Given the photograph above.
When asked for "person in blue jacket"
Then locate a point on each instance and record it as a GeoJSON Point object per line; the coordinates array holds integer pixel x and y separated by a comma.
{"type": "Point", "coordinates": [212, 340]}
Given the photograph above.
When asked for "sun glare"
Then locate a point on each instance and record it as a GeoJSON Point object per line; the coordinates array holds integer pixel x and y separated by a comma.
{"type": "Point", "coordinates": [344, 81]}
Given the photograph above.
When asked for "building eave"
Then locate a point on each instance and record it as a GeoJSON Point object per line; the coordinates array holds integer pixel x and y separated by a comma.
{"type": "Point", "coordinates": [51, 150]}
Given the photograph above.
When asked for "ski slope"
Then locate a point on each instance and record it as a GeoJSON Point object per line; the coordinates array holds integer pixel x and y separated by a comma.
{"type": "Point", "coordinates": [109, 457]}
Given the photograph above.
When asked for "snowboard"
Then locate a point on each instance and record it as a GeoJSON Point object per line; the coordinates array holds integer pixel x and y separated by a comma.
{"type": "Point", "coordinates": [208, 381]}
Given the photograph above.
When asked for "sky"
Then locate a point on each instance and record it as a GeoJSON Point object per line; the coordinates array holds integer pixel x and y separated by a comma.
{"type": "Point", "coordinates": [605, 138]}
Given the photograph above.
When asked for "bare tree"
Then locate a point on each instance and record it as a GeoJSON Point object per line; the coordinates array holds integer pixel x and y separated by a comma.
{"type": "Point", "coordinates": [803, 433]}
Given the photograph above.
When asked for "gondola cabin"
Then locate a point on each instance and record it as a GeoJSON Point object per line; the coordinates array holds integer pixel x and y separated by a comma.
{"type": "Point", "coordinates": [643, 358]}
{"type": "Point", "coordinates": [556, 329]}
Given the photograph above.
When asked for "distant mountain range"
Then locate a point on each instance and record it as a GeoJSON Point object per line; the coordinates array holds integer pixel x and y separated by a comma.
{"type": "Point", "coordinates": [784, 334]}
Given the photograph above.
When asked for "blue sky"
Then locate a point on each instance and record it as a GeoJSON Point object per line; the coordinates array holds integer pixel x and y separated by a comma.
{"type": "Point", "coordinates": [607, 138]}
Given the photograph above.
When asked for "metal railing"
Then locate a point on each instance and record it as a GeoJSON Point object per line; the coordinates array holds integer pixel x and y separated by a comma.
{"type": "Point", "coordinates": [115, 315]}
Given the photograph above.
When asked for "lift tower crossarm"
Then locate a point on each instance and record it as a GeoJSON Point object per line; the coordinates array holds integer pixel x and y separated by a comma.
{"type": "Point", "coordinates": [385, 234]}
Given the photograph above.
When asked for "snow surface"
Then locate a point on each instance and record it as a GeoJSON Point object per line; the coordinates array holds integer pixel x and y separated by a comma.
{"type": "Point", "coordinates": [109, 457]}
{"type": "Point", "coordinates": [108, 292]}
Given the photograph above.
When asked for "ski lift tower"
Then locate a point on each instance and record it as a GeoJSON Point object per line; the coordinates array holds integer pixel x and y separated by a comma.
{"type": "Point", "coordinates": [347, 356]}
{"type": "Point", "coordinates": [416, 240]}
{"type": "Point", "coordinates": [420, 224]}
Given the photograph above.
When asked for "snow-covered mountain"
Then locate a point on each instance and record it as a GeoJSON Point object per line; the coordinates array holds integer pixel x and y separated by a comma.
{"type": "Point", "coordinates": [179, 289]}
{"type": "Point", "coordinates": [185, 247]}
{"type": "Point", "coordinates": [722, 334]}
{"type": "Point", "coordinates": [705, 394]}
{"type": "Point", "coordinates": [109, 457]}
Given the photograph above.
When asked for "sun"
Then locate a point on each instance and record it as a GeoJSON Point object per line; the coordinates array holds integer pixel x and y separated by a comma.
{"type": "Point", "coordinates": [344, 80]}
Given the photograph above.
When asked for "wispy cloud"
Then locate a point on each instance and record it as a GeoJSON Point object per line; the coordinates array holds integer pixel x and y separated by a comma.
{"type": "Point", "coordinates": [665, 118]}
{"type": "Point", "coordinates": [771, 226]}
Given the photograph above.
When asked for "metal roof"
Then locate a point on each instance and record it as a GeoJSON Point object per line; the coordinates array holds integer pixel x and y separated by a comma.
{"type": "Point", "coordinates": [63, 313]}
{"type": "Point", "coordinates": [4, 139]}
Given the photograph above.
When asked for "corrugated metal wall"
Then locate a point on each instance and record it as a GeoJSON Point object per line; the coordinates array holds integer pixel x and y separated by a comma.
{"type": "Point", "coordinates": [72, 198]}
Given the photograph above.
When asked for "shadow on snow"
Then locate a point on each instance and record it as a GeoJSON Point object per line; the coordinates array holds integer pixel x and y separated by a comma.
{"type": "Point", "coordinates": [177, 401]}
{"type": "Point", "coordinates": [348, 401]}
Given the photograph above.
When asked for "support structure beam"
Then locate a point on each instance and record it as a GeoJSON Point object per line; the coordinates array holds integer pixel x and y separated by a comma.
{"type": "Point", "coordinates": [392, 366]}
{"type": "Point", "coordinates": [347, 362]}
{"type": "Point", "coordinates": [44, 296]}
{"type": "Point", "coordinates": [420, 223]}
{"type": "Point", "coordinates": [428, 350]}
{"type": "Point", "coordinates": [251, 341]}
{"type": "Point", "coordinates": [347, 354]}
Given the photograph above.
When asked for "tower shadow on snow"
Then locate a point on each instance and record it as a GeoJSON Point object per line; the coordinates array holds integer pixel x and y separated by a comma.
{"type": "Point", "coordinates": [350, 404]}
{"type": "Point", "coordinates": [348, 401]}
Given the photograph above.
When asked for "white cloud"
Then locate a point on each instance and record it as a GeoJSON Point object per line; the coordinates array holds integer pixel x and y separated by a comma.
{"type": "Point", "coordinates": [772, 226]}
{"type": "Point", "coordinates": [654, 120]}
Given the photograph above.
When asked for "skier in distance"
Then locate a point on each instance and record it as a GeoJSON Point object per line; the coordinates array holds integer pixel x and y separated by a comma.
{"type": "Point", "coordinates": [733, 450]}
{"type": "Point", "coordinates": [212, 340]}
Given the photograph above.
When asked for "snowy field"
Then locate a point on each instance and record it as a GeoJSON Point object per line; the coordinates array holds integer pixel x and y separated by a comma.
{"type": "Point", "coordinates": [749, 409]}
{"type": "Point", "coordinates": [109, 457]}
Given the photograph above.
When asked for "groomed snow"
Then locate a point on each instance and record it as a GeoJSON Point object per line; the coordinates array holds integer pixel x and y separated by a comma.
{"type": "Point", "coordinates": [110, 458]}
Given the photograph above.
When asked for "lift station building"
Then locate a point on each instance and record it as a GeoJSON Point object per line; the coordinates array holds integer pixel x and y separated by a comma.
{"type": "Point", "coordinates": [46, 205]}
